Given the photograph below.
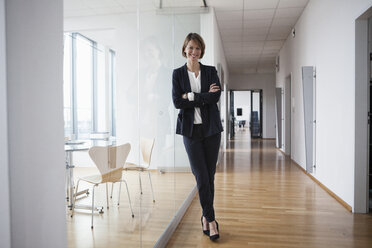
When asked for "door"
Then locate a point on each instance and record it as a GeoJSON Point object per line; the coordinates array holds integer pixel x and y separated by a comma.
{"type": "Point", "coordinates": [309, 115]}
{"type": "Point", "coordinates": [278, 98]}
{"type": "Point", "coordinates": [287, 116]}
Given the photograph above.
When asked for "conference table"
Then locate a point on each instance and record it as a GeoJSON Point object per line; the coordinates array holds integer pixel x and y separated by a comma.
{"type": "Point", "coordinates": [72, 146]}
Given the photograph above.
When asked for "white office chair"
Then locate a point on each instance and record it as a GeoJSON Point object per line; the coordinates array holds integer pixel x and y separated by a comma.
{"type": "Point", "coordinates": [109, 161]}
{"type": "Point", "coordinates": [147, 146]}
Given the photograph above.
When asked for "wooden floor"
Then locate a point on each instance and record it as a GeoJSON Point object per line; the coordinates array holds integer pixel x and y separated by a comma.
{"type": "Point", "coordinates": [115, 227]}
{"type": "Point", "coordinates": [264, 200]}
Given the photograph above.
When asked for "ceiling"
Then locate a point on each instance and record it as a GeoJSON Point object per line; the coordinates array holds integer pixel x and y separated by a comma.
{"type": "Point", "coordinates": [252, 31]}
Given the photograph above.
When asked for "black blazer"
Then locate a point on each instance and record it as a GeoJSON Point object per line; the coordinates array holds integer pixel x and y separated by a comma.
{"type": "Point", "coordinates": [206, 101]}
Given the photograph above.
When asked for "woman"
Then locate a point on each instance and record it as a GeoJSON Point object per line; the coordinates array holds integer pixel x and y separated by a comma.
{"type": "Point", "coordinates": [196, 91]}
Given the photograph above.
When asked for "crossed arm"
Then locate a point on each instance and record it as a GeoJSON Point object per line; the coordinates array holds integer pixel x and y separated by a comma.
{"type": "Point", "coordinates": [181, 100]}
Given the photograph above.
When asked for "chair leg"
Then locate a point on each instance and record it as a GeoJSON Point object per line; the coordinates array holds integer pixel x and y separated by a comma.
{"type": "Point", "coordinates": [119, 193]}
{"type": "Point", "coordinates": [130, 202]}
{"type": "Point", "coordinates": [74, 198]}
{"type": "Point", "coordinates": [107, 201]}
{"type": "Point", "coordinates": [112, 189]}
{"type": "Point", "coordinates": [152, 190]}
{"type": "Point", "coordinates": [93, 205]}
{"type": "Point", "coordinates": [140, 182]}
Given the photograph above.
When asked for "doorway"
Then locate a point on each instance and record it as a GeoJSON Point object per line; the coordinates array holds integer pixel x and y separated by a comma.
{"type": "Point", "coordinates": [308, 85]}
{"type": "Point", "coordinates": [246, 112]}
{"type": "Point", "coordinates": [287, 116]}
{"type": "Point", "coordinates": [363, 108]}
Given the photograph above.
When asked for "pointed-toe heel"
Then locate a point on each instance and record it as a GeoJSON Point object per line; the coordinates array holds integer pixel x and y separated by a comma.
{"type": "Point", "coordinates": [206, 232]}
{"type": "Point", "coordinates": [216, 236]}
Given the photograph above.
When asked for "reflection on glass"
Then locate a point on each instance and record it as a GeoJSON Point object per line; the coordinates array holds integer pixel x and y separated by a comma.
{"type": "Point", "coordinates": [67, 85]}
{"type": "Point", "coordinates": [112, 86]}
{"type": "Point", "coordinates": [133, 94]}
{"type": "Point", "coordinates": [84, 73]}
{"type": "Point", "coordinates": [101, 91]}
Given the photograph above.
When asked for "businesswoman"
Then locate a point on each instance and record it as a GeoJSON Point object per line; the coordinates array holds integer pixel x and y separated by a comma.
{"type": "Point", "coordinates": [196, 91]}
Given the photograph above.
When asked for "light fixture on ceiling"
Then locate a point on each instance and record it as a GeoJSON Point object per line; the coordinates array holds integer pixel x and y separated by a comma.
{"type": "Point", "coordinates": [293, 32]}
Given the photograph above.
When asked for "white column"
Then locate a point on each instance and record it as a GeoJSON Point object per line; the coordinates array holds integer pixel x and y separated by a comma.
{"type": "Point", "coordinates": [34, 38]}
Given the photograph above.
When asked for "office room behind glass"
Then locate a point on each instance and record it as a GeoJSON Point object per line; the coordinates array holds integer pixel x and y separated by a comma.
{"type": "Point", "coordinates": [117, 80]}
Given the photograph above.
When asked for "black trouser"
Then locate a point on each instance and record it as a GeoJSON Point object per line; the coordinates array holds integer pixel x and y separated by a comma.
{"type": "Point", "coordinates": [203, 153]}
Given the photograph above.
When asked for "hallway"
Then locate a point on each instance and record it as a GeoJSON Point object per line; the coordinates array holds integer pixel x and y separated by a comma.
{"type": "Point", "coordinates": [263, 199]}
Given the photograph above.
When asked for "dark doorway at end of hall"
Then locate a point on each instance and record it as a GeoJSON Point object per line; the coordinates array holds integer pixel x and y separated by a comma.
{"type": "Point", "coordinates": [246, 112]}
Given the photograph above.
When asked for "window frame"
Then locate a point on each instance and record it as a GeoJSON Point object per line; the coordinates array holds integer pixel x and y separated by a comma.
{"type": "Point", "coordinates": [110, 85]}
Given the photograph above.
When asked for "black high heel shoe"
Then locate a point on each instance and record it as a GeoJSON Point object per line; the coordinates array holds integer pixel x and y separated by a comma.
{"type": "Point", "coordinates": [206, 232]}
{"type": "Point", "coordinates": [215, 236]}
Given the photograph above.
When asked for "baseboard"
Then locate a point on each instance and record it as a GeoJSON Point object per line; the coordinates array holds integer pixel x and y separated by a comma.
{"type": "Point", "coordinates": [169, 230]}
{"type": "Point", "coordinates": [342, 202]}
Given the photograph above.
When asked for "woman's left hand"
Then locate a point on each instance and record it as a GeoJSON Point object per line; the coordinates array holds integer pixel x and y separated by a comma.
{"type": "Point", "coordinates": [214, 88]}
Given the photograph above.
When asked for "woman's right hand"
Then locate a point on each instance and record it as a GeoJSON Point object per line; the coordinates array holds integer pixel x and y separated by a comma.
{"type": "Point", "coordinates": [214, 88]}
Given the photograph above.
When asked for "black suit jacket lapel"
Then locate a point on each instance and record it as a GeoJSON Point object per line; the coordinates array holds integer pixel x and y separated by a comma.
{"type": "Point", "coordinates": [203, 79]}
{"type": "Point", "coordinates": [187, 85]}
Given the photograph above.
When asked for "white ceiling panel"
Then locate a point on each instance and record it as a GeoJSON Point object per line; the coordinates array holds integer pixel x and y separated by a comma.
{"type": "Point", "coordinates": [236, 15]}
{"type": "Point", "coordinates": [276, 43]}
{"type": "Point", "coordinates": [263, 56]}
{"type": "Point", "coordinates": [284, 21]}
{"type": "Point", "coordinates": [255, 37]}
{"type": "Point", "coordinates": [223, 5]}
{"type": "Point", "coordinates": [292, 3]}
{"type": "Point", "coordinates": [256, 44]}
{"type": "Point", "coordinates": [260, 4]}
{"type": "Point", "coordinates": [280, 30]}
{"type": "Point", "coordinates": [257, 23]}
{"type": "Point", "coordinates": [239, 43]}
{"type": "Point", "coordinates": [266, 60]}
{"type": "Point", "coordinates": [280, 36]}
{"type": "Point", "coordinates": [230, 24]}
{"type": "Point", "coordinates": [232, 30]}
{"type": "Point", "coordinates": [259, 14]}
{"type": "Point", "coordinates": [231, 37]}
{"type": "Point", "coordinates": [255, 31]}
{"type": "Point", "coordinates": [288, 13]}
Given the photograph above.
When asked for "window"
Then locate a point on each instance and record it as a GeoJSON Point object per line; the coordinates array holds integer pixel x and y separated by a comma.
{"type": "Point", "coordinates": [88, 106]}
{"type": "Point", "coordinates": [67, 103]}
{"type": "Point", "coordinates": [113, 90]}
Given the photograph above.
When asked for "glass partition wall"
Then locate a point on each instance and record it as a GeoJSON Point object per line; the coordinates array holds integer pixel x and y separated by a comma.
{"type": "Point", "coordinates": [120, 83]}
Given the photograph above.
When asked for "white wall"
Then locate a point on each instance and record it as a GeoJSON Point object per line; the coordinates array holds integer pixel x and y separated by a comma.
{"type": "Point", "coordinates": [242, 99]}
{"type": "Point", "coordinates": [4, 167]}
{"type": "Point", "coordinates": [325, 38]}
{"type": "Point", "coordinates": [35, 123]}
{"type": "Point", "coordinates": [266, 82]}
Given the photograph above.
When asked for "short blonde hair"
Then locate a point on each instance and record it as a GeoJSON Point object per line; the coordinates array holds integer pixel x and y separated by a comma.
{"type": "Point", "coordinates": [198, 39]}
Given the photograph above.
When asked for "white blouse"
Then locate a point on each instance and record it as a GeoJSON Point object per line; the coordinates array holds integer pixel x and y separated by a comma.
{"type": "Point", "coordinates": [195, 87]}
